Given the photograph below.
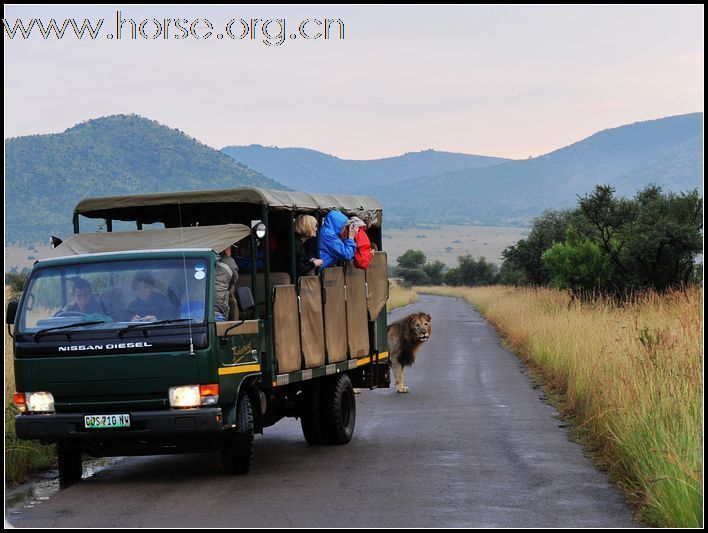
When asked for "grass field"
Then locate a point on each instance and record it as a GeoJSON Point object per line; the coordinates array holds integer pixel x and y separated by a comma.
{"type": "Point", "coordinates": [630, 377]}
{"type": "Point", "coordinates": [449, 242]}
{"type": "Point", "coordinates": [400, 296]}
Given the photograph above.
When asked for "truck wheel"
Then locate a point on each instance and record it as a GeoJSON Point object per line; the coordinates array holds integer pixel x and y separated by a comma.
{"type": "Point", "coordinates": [70, 467]}
{"type": "Point", "coordinates": [311, 418]}
{"type": "Point", "coordinates": [339, 410]}
{"type": "Point", "coordinates": [237, 445]}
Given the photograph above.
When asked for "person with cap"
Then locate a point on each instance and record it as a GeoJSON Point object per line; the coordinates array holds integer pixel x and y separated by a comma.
{"type": "Point", "coordinates": [364, 252]}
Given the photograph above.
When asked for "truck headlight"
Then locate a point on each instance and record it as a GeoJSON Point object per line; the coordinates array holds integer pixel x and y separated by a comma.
{"type": "Point", "coordinates": [194, 395]}
{"type": "Point", "coordinates": [39, 402]}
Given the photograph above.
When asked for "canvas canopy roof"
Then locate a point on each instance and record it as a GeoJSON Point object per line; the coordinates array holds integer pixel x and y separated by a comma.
{"type": "Point", "coordinates": [124, 207]}
{"type": "Point", "coordinates": [216, 238]}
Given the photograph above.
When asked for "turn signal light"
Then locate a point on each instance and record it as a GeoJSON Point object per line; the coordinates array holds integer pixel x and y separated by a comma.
{"type": "Point", "coordinates": [20, 401]}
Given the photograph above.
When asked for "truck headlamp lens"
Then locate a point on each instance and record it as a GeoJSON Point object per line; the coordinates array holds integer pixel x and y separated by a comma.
{"type": "Point", "coordinates": [185, 396]}
{"type": "Point", "coordinates": [39, 402]}
{"type": "Point", "coordinates": [194, 395]}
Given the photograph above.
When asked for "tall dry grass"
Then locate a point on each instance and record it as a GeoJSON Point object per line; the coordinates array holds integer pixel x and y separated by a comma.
{"type": "Point", "coordinates": [399, 296]}
{"type": "Point", "coordinates": [21, 456]}
{"type": "Point", "coordinates": [630, 377]}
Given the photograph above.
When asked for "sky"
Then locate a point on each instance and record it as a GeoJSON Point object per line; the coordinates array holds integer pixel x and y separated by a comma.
{"type": "Point", "coordinates": [505, 81]}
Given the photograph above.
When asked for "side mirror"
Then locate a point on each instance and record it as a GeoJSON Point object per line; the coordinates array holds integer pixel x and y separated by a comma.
{"type": "Point", "coordinates": [260, 230]}
{"type": "Point", "coordinates": [245, 299]}
{"type": "Point", "coordinates": [55, 241]}
{"type": "Point", "coordinates": [12, 312]}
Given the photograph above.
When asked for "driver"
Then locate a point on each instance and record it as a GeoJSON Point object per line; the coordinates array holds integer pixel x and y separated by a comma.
{"type": "Point", "coordinates": [82, 299]}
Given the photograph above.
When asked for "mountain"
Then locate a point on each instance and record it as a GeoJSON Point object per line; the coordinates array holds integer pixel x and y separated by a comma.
{"type": "Point", "coordinates": [667, 152]}
{"type": "Point", "coordinates": [46, 175]}
{"type": "Point", "coordinates": [308, 170]}
{"type": "Point", "coordinates": [443, 187]}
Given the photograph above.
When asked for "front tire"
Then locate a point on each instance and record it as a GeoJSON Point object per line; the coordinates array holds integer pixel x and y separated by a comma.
{"type": "Point", "coordinates": [237, 446]}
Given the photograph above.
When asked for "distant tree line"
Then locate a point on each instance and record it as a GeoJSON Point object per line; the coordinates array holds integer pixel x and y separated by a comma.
{"type": "Point", "coordinates": [414, 270]}
{"type": "Point", "coordinates": [607, 245]}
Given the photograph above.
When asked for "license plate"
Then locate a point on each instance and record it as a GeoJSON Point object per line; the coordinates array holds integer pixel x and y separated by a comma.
{"type": "Point", "coordinates": [106, 421]}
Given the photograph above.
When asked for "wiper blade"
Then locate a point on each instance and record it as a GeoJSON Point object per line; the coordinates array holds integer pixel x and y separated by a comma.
{"type": "Point", "coordinates": [75, 325]}
{"type": "Point", "coordinates": [121, 331]}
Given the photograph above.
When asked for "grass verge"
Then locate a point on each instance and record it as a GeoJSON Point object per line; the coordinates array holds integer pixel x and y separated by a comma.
{"type": "Point", "coordinates": [629, 377]}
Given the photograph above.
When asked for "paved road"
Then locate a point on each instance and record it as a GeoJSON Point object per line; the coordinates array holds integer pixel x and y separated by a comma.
{"type": "Point", "coordinates": [472, 445]}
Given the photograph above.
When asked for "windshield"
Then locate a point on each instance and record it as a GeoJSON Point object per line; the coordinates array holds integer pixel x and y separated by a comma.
{"type": "Point", "coordinates": [114, 294]}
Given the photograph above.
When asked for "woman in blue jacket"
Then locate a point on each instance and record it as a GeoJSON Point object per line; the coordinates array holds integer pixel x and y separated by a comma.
{"type": "Point", "coordinates": [334, 248]}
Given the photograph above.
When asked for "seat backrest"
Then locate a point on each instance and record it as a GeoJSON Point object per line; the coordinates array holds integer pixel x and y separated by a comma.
{"type": "Point", "coordinates": [276, 278]}
{"type": "Point", "coordinates": [233, 308]}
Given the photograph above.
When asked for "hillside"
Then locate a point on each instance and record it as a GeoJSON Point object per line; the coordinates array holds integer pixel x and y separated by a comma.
{"type": "Point", "coordinates": [309, 170]}
{"type": "Point", "coordinates": [46, 175]}
{"type": "Point", "coordinates": [667, 152]}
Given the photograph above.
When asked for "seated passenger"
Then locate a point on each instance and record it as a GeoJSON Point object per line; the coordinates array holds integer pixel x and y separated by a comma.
{"type": "Point", "coordinates": [243, 256]}
{"type": "Point", "coordinates": [150, 304]}
{"type": "Point", "coordinates": [305, 260]}
{"type": "Point", "coordinates": [82, 299]}
{"type": "Point", "coordinates": [225, 278]}
{"type": "Point", "coordinates": [334, 248]}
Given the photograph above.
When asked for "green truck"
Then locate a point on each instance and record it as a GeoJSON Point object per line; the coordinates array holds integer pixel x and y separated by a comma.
{"type": "Point", "coordinates": [97, 378]}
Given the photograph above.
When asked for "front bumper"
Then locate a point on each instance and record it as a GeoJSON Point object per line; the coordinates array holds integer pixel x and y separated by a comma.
{"type": "Point", "coordinates": [143, 425]}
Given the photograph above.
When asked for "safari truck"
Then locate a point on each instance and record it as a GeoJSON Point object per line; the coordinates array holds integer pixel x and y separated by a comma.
{"type": "Point", "coordinates": [96, 378]}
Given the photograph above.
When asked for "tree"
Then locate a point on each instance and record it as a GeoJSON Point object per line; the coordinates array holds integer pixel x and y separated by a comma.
{"type": "Point", "coordinates": [434, 271]}
{"type": "Point", "coordinates": [612, 244]}
{"type": "Point", "coordinates": [608, 218]}
{"type": "Point", "coordinates": [411, 259]}
{"type": "Point", "coordinates": [410, 268]}
{"type": "Point", "coordinates": [523, 261]}
{"type": "Point", "coordinates": [578, 264]}
{"type": "Point", "coordinates": [472, 272]}
{"type": "Point", "coordinates": [651, 240]}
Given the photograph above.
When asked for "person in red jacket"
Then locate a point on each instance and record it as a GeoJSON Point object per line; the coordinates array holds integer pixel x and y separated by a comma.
{"type": "Point", "coordinates": [364, 251]}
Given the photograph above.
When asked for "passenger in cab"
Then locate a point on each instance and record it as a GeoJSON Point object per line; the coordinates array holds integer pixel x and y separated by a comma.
{"type": "Point", "coordinates": [150, 304]}
{"type": "Point", "coordinates": [335, 246]}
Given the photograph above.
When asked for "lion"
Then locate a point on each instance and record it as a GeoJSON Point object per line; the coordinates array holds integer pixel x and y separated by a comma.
{"type": "Point", "coordinates": [405, 338]}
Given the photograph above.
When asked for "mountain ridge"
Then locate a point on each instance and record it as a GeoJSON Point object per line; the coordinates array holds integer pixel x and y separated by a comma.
{"type": "Point", "coordinates": [118, 154]}
{"type": "Point", "coordinates": [129, 154]}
